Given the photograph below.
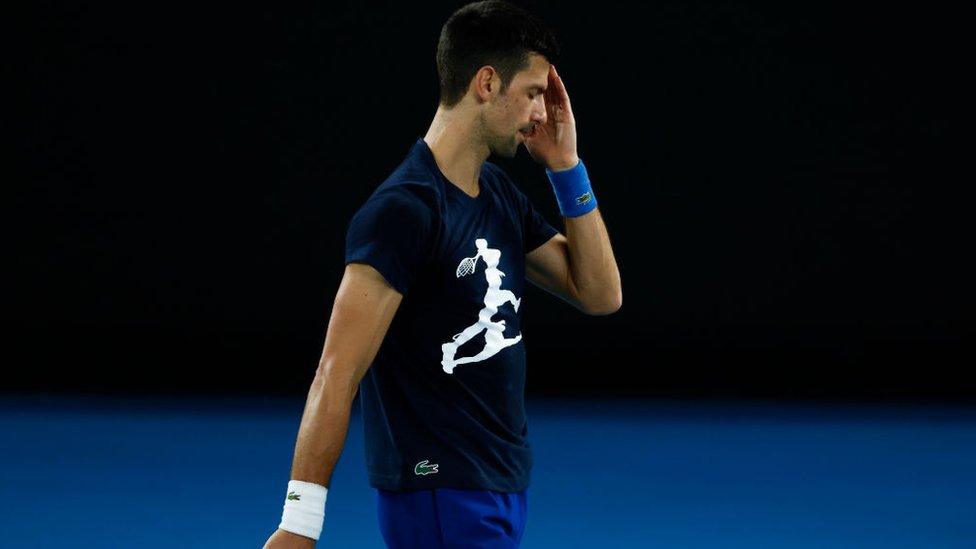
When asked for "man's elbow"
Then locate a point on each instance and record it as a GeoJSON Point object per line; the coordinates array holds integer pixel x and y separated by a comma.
{"type": "Point", "coordinates": [338, 380]}
{"type": "Point", "coordinates": [607, 307]}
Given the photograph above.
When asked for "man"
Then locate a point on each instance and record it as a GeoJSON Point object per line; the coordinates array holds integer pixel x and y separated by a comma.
{"type": "Point", "coordinates": [426, 321]}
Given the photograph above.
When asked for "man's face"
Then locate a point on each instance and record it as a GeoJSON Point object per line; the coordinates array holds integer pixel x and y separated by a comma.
{"type": "Point", "coordinates": [510, 115]}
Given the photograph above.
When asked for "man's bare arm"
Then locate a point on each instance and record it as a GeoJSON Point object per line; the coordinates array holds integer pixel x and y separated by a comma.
{"type": "Point", "coordinates": [580, 267]}
{"type": "Point", "coordinates": [363, 310]}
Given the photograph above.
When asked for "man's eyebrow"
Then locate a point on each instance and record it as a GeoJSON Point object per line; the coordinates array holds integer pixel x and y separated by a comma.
{"type": "Point", "coordinates": [538, 87]}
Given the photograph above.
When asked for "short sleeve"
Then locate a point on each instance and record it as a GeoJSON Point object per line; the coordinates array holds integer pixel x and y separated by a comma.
{"type": "Point", "coordinates": [536, 231]}
{"type": "Point", "coordinates": [391, 233]}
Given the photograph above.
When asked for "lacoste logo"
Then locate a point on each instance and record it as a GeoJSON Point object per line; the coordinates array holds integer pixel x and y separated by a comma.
{"type": "Point", "coordinates": [423, 469]}
{"type": "Point", "coordinates": [583, 198]}
{"type": "Point", "coordinates": [293, 495]}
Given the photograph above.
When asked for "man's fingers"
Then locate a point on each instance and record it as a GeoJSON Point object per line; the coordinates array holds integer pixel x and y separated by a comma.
{"type": "Point", "coordinates": [557, 100]}
{"type": "Point", "coordinates": [552, 98]}
{"type": "Point", "coordinates": [560, 90]}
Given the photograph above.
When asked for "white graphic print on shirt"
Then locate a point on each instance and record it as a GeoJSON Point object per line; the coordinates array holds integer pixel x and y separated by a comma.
{"type": "Point", "coordinates": [495, 297]}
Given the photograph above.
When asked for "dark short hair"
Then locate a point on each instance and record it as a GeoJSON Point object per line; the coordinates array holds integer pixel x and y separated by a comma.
{"type": "Point", "coordinates": [491, 32]}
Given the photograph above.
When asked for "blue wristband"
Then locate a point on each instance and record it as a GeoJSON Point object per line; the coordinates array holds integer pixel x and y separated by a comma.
{"type": "Point", "coordinates": [573, 192]}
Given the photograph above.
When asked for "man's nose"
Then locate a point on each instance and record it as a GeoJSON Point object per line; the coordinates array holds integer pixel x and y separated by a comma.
{"type": "Point", "coordinates": [540, 115]}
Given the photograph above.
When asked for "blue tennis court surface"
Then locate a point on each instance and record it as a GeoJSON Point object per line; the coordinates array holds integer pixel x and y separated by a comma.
{"type": "Point", "coordinates": [211, 472]}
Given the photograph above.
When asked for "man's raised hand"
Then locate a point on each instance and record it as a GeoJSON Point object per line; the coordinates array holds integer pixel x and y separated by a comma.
{"type": "Point", "coordinates": [553, 144]}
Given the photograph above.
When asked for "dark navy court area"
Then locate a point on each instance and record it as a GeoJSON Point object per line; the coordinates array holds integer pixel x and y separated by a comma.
{"type": "Point", "coordinates": [208, 472]}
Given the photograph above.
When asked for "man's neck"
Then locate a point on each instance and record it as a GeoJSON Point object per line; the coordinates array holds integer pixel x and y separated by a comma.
{"type": "Point", "coordinates": [457, 148]}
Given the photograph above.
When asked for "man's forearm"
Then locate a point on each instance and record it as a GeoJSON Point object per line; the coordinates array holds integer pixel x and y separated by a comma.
{"type": "Point", "coordinates": [322, 433]}
{"type": "Point", "coordinates": [592, 264]}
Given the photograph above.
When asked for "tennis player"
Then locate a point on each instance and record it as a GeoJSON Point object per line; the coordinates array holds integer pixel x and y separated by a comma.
{"type": "Point", "coordinates": [426, 323]}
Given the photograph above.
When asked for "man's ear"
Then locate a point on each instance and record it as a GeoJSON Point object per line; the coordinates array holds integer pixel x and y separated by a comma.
{"type": "Point", "coordinates": [486, 83]}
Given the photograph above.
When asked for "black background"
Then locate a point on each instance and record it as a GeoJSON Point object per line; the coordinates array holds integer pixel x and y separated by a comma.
{"type": "Point", "coordinates": [782, 186]}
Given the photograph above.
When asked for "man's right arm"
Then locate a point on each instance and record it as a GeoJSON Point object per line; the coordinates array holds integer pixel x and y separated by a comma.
{"type": "Point", "coordinates": [363, 310]}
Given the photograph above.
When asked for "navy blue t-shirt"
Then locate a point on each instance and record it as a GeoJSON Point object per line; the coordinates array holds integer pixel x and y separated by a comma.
{"type": "Point", "coordinates": [444, 400]}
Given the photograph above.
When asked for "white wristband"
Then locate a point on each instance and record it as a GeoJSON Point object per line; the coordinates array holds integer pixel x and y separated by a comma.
{"type": "Point", "coordinates": [304, 510]}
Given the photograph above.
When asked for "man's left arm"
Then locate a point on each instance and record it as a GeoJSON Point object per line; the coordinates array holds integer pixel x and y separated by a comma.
{"type": "Point", "coordinates": [579, 267]}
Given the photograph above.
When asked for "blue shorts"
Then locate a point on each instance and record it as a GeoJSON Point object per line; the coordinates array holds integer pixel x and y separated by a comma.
{"type": "Point", "coordinates": [446, 518]}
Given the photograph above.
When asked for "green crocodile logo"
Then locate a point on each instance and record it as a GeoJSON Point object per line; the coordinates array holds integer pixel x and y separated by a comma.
{"type": "Point", "coordinates": [423, 469]}
{"type": "Point", "coordinates": [293, 495]}
{"type": "Point", "coordinates": [583, 198]}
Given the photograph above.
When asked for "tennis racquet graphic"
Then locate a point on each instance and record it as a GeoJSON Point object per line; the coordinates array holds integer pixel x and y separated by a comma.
{"type": "Point", "coordinates": [466, 266]}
